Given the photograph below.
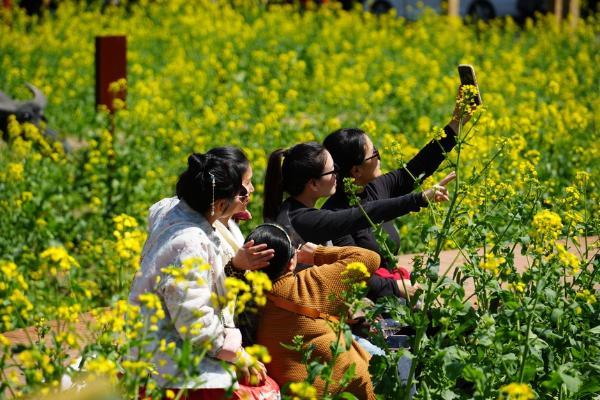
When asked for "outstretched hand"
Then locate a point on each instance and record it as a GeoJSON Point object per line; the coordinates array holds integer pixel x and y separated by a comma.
{"type": "Point", "coordinates": [439, 192]}
{"type": "Point", "coordinates": [251, 257]}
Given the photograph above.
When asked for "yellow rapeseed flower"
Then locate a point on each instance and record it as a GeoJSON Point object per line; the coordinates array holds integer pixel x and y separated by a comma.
{"type": "Point", "coordinates": [303, 391]}
{"type": "Point", "coordinates": [355, 272]}
{"type": "Point", "coordinates": [492, 263]}
{"type": "Point", "coordinates": [516, 391]}
{"type": "Point", "coordinates": [15, 171]}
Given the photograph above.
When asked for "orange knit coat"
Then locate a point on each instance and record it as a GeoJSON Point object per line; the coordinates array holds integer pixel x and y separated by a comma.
{"type": "Point", "coordinates": [312, 288]}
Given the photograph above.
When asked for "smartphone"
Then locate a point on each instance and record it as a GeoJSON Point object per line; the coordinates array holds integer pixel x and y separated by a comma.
{"type": "Point", "coordinates": [467, 77]}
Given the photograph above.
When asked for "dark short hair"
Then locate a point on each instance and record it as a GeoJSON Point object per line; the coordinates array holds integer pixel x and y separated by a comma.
{"type": "Point", "coordinates": [195, 184]}
{"type": "Point", "coordinates": [276, 238]}
{"type": "Point", "coordinates": [347, 148]}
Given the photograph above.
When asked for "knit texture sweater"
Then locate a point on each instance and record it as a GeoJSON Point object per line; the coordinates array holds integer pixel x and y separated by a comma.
{"type": "Point", "coordinates": [312, 287]}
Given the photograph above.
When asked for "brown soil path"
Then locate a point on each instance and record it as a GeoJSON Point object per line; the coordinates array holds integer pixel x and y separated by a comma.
{"type": "Point", "coordinates": [450, 260]}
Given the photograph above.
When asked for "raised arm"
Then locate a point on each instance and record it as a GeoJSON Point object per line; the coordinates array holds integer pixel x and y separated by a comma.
{"type": "Point", "coordinates": [327, 279]}
{"type": "Point", "coordinates": [402, 180]}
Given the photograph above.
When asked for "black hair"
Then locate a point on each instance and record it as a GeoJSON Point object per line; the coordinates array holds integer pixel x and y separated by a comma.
{"type": "Point", "coordinates": [275, 237]}
{"type": "Point", "coordinates": [234, 155]}
{"type": "Point", "coordinates": [347, 148]}
{"type": "Point", "coordinates": [301, 163]}
{"type": "Point", "coordinates": [195, 184]}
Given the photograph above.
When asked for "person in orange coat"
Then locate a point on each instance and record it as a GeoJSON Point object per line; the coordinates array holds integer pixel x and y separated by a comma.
{"type": "Point", "coordinates": [300, 304]}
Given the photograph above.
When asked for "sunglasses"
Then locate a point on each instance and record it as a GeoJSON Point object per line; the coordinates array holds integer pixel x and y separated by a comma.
{"type": "Point", "coordinates": [375, 155]}
{"type": "Point", "coordinates": [333, 171]}
{"type": "Point", "coordinates": [243, 196]}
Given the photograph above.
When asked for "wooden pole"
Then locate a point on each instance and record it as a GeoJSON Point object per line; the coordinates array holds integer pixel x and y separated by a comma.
{"type": "Point", "coordinates": [111, 65]}
{"type": "Point", "coordinates": [574, 12]}
{"type": "Point", "coordinates": [558, 11]}
{"type": "Point", "coordinates": [453, 8]}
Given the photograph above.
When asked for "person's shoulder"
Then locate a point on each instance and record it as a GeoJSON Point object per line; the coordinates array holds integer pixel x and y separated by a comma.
{"type": "Point", "coordinates": [378, 187]}
{"type": "Point", "coordinates": [336, 202]}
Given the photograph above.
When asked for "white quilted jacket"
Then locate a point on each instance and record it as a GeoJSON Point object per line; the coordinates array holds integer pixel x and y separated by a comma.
{"type": "Point", "coordinates": [176, 233]}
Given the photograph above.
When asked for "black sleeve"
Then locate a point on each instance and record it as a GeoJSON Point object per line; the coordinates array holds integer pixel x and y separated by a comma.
{"type": "Point", "coordinates": [421, 166]}
{"type": "Point", "coordinates": [346, 240]}
{"type": "Point", "coordinates": [319, 226]}
{"type": "Point", "coordinates": [381, 287]}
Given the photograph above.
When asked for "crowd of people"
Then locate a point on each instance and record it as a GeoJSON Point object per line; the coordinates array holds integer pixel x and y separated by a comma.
{"type": "Point", "coordinates": [303, 250]}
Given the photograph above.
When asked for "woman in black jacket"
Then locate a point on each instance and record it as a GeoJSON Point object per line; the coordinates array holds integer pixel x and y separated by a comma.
{"type": "Point", "coordinates": [307, 173]}
{"type": "Point", "coordinates": [356, 157]}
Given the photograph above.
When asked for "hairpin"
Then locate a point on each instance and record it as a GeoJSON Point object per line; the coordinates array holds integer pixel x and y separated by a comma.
{"type": "Point", "coordinates": [212, 205]}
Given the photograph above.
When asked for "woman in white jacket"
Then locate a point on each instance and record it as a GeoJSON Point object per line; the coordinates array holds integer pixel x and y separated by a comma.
{"type": "Point", "coordinates": [181, 228]}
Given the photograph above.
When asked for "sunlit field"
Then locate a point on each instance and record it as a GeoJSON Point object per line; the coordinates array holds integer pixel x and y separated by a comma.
{"type": "Point", "coordinates": [203, 74]}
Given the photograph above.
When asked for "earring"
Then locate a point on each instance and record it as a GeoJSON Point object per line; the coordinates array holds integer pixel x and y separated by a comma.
{"type": "Point", "coordinates": [212, 204]}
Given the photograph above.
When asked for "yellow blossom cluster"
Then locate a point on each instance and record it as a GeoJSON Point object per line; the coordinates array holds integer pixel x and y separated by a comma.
{"type": "Point", "coordinates": [129, 239]}
{"type": "Point", "coordinates": [545, 228]}
{"type": "Point", "coordinates": [492, 263]}
{"type": "Point", "coordinates": [587, 296]}
{"type": "Point", "coordinates": [516, 391]}
{"type": "Point", "coordinates": [302, 391]}
{"type": "Point", "coordinates": [355, 273]}
{"type": "Point", "coordinates": [57, 260]}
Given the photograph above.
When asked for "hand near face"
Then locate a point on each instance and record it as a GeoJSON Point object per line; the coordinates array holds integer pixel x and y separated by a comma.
{"type": "Point", "coordinates": [251, 257]}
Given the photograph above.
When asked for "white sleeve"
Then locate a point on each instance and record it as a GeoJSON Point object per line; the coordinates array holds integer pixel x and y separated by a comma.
{"type": "Point", "coordinates": [188, 298]}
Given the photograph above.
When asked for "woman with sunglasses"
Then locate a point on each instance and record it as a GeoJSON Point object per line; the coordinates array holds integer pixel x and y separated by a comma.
{"type": "Point", "coordinates": [307, 173]}
{"type": "Point", "coordinates": [356, 157]}
{"type": "Point", "coordinates": [180, 230]}
{"type": "Point", "coordinates": [237, 255]}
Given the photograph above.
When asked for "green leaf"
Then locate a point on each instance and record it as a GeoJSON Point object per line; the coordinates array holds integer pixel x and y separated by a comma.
{"type": "Point", "coordinates": [572, 383]}
{"type": "Point", "coordinates": [348, 338]}
{"type": "Point", "coordinates": [449, 395]}
{"type": "Point", "coordinates": [556, 314]}
{"type": "Point", "coordinates": [346, 395]}
{"type": "Point", "coordinates": [595, 330]}
{"type": "Point", "coordinates": [348, 375]}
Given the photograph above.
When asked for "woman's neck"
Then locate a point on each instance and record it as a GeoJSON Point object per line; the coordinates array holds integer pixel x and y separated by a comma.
{"type": "Point", "coordinates": [211, 218]}
{"type": "Point", "coordinates": [225, 221]}
{"type": "Point", "coordinates": [307, 199]}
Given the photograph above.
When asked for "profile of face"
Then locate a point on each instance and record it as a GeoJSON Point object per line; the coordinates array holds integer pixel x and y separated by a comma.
{"type": "Point", "coordinates": [240, 202]}
{"type": "Point", "coordinates": [326, 183]}
{"type": "Point", "coordinates": [370, 167]}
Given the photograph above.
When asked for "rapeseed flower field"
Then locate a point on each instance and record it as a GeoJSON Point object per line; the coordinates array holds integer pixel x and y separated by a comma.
{"type": "Point", "coordinates": [203, 74]}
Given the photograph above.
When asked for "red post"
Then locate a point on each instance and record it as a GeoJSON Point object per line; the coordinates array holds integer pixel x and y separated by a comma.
{"type": "Point", "coordinates": [7, 4]}
{"type": "Point", "coordinates": [111, 65]}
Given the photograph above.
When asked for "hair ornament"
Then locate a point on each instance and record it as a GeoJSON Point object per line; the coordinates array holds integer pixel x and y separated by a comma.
{"type": "Point", "coordinates": [282, 230]}
{"type": "Point", "coordinates": [212, 204]}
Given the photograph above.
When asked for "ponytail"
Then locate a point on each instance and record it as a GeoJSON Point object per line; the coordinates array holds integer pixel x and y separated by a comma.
{"type": "Point", "coordinates": [273, 185]}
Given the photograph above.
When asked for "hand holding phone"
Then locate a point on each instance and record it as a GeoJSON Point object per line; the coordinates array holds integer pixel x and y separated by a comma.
{"type": "Point", "coordinates": [467, 77]}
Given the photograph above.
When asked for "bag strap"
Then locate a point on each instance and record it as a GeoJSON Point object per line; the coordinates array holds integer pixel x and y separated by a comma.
{"type": "Point", "coordinates": [305, 311]}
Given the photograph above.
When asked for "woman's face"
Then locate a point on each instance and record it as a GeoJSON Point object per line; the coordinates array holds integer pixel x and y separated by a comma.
{"type": "Point", "coordinates": [370, 167]}
{"type": "Point", "coordinates": [241, 202]}
{"type": "Point", "coordinates": [327, 180]}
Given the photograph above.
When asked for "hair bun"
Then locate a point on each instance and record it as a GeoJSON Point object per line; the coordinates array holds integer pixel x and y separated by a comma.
{"type": "Point", "coordinates": [197, 162]}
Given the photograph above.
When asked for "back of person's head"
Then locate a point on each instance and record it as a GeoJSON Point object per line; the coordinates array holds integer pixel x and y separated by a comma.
{"type": "Point", "coordinates": [196, 185]}
{"type": "Point", "coordinates": [301, 163]}
{"type": "Point", "coordinates": [276, 238]}
{"type": "Point", "coordinates": [234, 155]}
{"type": "Point", "coordinates": [347, 148]}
